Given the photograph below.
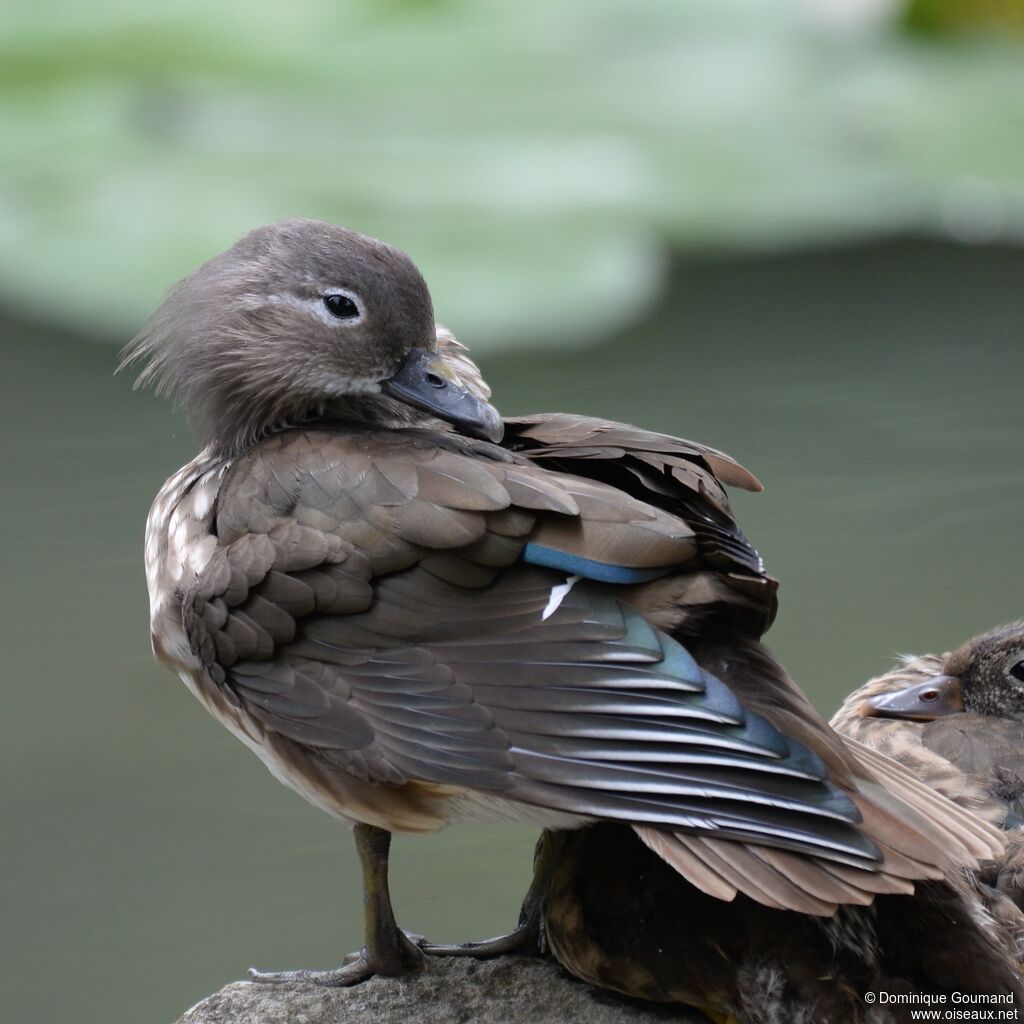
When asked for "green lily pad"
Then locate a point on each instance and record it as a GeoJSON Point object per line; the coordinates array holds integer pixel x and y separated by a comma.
{"type": "Point", "coordinates": [536, 159]}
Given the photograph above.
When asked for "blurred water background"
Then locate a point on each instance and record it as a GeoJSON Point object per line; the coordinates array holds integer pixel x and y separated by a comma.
{"type": "Point", "coordinates": [790, 230]}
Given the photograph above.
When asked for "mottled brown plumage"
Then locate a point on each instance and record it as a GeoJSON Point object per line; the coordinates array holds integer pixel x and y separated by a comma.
{"type": "Point", "coordinates": [413, 625]}
{"type": "Point", "coordinates": [957, 721]}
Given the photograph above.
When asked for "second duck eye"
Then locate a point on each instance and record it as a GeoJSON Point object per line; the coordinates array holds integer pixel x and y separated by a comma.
{"type": "Point", "coordinates": [1017, 671]}
{"type": "Point", "coordinates": [342, 306]}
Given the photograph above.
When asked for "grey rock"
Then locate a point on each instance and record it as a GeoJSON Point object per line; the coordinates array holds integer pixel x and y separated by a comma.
{"type": "Point", "coordinates": [509, 990]}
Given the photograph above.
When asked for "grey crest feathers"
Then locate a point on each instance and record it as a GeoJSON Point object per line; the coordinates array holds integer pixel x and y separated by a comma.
{"type": "Point", "coordinates": [245, 344]}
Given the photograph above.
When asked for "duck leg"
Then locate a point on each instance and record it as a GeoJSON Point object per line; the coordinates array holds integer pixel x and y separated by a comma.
{"type": "Point", "coordinates": [386, 950]}
{"type": "Point", "coordinates": [526, 939]}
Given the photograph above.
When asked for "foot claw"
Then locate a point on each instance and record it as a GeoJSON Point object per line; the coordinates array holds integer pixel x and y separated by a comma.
{"type": "Point", "coordinates": [351, 973]}
{"type": "Point", "coordinates": [356, 967]}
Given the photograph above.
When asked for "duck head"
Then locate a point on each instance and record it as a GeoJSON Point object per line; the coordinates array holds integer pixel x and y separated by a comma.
{"type": "Point", "coordinates": [304, 320]}
{"type": "Point", "coordinates": [936, 697]}
{"type": "Point", "coordinates": [984, 676]}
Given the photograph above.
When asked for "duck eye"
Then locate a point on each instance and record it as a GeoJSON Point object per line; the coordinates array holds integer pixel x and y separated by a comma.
{"type": "Point", "coordinates": [341, 306]}
{"type": "Point", "coordinates": [1017, 671]}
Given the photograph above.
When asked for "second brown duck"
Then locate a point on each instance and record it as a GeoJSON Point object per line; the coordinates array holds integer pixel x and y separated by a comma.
{"type": "Point", "coordinates": [957, 721]}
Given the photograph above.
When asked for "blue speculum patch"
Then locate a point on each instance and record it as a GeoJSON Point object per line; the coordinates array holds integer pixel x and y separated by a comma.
{"type": "Point", "coordinates": [588, 568]}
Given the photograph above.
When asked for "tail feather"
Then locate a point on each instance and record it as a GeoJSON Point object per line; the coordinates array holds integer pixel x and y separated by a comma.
{"type": "Point", "coordinates": [773, 878]}
{"type": "Point", "coordinates": [672, 849]}
{"type": "Point", "coordinates": [745, 869]}
{"type": "Point", "coordinates": [821, 878]}
{"type": "Point", "coordinates": [920, 835]}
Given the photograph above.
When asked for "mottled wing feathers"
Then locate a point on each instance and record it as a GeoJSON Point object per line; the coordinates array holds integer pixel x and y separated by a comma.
{"type": "Point", "coordinates": [371, 602]}
{"type": "Point", "coordinates": [590, 710]}
{"type": "Point", "coordinates": [390, 498]}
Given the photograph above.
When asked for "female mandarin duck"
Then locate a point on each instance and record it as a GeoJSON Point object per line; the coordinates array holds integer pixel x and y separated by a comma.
{"type": "Point", "coordinates": [414, 620]}
{"type": "Point", "coordinates": [957, 721]}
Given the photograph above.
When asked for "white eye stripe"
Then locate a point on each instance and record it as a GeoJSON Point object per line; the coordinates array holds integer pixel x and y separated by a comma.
{"type": "Point", "coordinates": [315, 305]}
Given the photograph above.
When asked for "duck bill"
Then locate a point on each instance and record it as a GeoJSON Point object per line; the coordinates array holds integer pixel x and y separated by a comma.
{"type": "Point", "coordinates": [426, 381]}
{"type": "Point", "coordinates": [934, 698]}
